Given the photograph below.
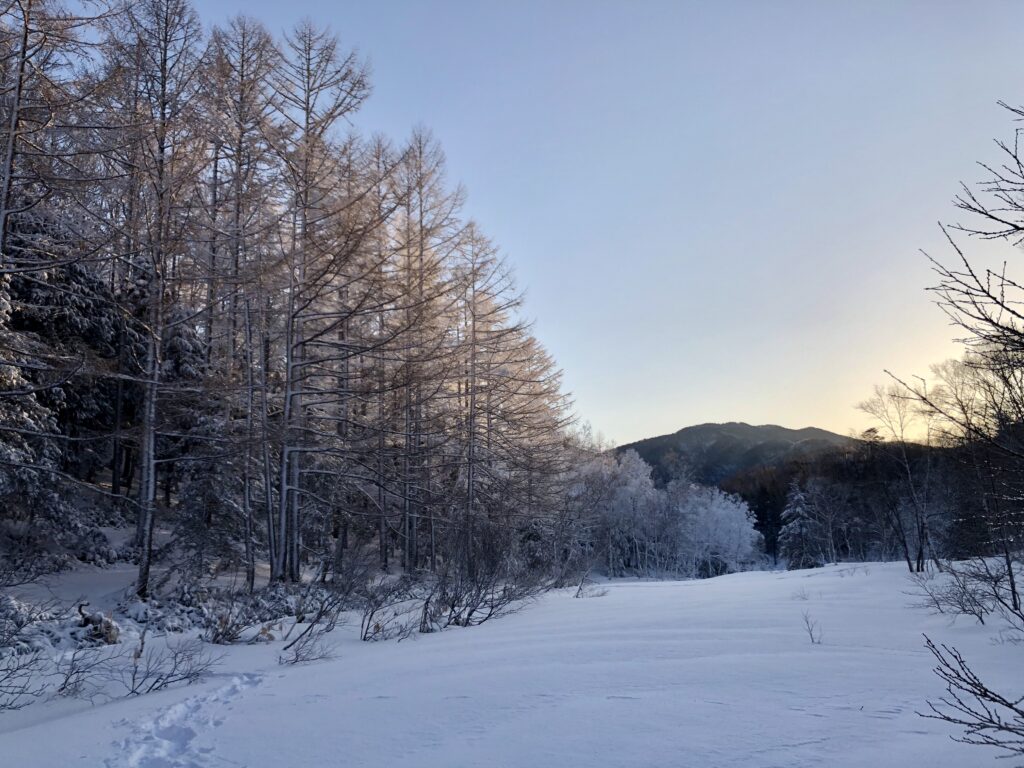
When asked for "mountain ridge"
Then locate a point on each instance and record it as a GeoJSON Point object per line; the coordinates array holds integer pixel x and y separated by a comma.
{"type": "Point", "coordinates": [715, 451]}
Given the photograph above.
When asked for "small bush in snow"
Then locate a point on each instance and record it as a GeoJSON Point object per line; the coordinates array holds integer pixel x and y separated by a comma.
{"type": "Point", "coordinates": [308, 646]}
{"type": "Point", "coordinates": [463, 598]}
{"type": "Point", "coordinates": [321, 615]}
{"type": "Point", "coordinates": [976, 588]}
{"type": "Point", "coordinates": [952, 593]}
{"type": "Point", "coordinates": [388, 610]}
{"type": "Point", "coordinates": [812, 628]}
{"type": "Point", "coordinates": [152, 669]}
{"type": "Point", "coordinates": [84, 672]}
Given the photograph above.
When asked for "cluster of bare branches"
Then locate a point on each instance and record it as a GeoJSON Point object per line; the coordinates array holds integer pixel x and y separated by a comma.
{"type": "Point", "coordinates": [104, 672]}
{"type": "Point", "coordinates": [84, 672]}
{"type": "Point", "coordinates": [978, 587]}
{"type": "Point", "coordinates": [389, 610]}
{"type": "Point", "coordinates": [987, 717]}
{"type": "Point", "coordinates": [178, 661]}
{"type": "Point", "coordinates": [954, 594]}
{"type": "Point", "coordinates": [320, 616]}
{"type": "Point", "coordinates": [20, 682]}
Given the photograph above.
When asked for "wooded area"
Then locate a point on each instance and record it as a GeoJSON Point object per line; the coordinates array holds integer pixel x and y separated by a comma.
{"type": "Point", "coordinates": [269, 344]}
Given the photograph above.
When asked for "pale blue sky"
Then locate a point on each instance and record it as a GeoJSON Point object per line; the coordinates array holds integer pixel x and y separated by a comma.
{"type": "Point", "coordinates": [715, 208]}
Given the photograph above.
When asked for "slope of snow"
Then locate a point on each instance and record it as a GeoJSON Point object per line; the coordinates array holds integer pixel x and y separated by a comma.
{"type": "Point", "coordinates": [708, 674]}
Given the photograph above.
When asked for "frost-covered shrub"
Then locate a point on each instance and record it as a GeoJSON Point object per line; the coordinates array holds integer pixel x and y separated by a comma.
{"type": "Point", "coordinates": [636, 528]}
{"type": "Point", "coordinates": [41, 533]}
{"type": "Point", "coordinates": [719, 535]}
{"type": "Point", "coordinates": [23, 651]}
{"type": "Point", "coordinates": [20, 625]}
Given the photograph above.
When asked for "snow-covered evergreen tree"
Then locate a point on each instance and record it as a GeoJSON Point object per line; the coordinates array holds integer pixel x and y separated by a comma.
{"type": "Point", "coordinates": [799, 538]}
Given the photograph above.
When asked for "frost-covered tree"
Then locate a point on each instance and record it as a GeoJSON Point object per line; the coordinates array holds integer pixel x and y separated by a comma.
{"type": "Point", "coordinates": [718, 532]}
{"type": "Point", "coordinates": [799, 538]}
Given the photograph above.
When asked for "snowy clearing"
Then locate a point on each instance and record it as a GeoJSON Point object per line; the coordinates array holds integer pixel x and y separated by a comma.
{"type": "Point", "coordinates": [708, 673]}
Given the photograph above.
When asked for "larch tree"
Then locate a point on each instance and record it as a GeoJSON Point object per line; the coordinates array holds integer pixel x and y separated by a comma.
{"type": "Point", "coordinates": [157, 44]}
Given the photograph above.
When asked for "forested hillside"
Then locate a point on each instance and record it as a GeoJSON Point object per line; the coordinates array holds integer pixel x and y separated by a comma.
{"type": "Point", "coordinates": [715, 453]}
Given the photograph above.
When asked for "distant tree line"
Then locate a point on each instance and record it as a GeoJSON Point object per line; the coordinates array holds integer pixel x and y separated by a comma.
{"type": "Point", "coordinates": [878, 500]}
{"type": "Point", "coordinates": [939, 478]}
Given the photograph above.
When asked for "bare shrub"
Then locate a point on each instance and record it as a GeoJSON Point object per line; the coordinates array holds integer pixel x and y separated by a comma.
{"type": "Point", "coordinates": [926, 592]}
{"type": "Point", "coordinates": [180, 661]}
{"type": "Point", "coordinates": [987, 718]}
{"type": "Point", "coordinates": [956, 594]}
{"type": "Point", "coordinates": [308, 646]}
{"type": "Point", "coordinates": [229, 624]}
{"type": "Point", "coordinates": [996, 578]}
{"type": "Point", "coordinates": [583, 582]}
{"type": "Point", "coordinates": [349, 578]}
{"type": "Point", "coordinates": [977, 588]}
{"type": "Point", "coordinates": [83, 673]}
{"type": "Point", "coordinates": [21, 664]}
{"type": "Point", "coordinates": [464, 599]}
{"type": "Point", "coordinates": [812, 628]}
{"type": "Point", "coordinates": [233, 616]}
{"type": "Point", "coordinates": [389, 608]}
{"type": "Point", "coordinates": [266, 632]}
{"type": "Point", "coordinates": [324, 613]}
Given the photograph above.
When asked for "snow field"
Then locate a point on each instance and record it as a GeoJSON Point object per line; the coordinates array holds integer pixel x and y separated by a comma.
{"type": "Point", "coordinates": [698, 674]}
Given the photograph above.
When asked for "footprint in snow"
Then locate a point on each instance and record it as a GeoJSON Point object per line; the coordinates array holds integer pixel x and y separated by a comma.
{"type": "Point", "coordinates": [167, 740]}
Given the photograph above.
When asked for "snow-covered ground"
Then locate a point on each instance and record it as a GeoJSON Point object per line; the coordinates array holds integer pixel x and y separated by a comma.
{"type": "Point", "coordinates": [701, 674]}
